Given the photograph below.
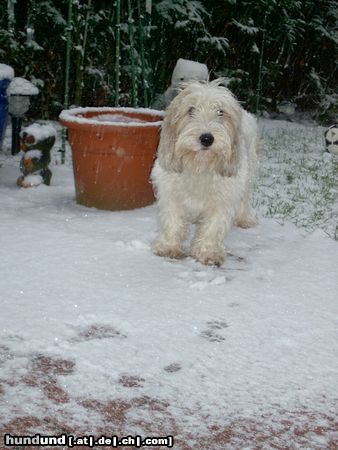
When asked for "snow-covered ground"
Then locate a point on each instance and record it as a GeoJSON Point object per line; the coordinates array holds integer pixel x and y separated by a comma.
{"type": "Point", "coordinates": [99, 336]}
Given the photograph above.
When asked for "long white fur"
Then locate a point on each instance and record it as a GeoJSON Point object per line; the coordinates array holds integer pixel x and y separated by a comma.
{"type": "Point", "coordinates": [209, 187]}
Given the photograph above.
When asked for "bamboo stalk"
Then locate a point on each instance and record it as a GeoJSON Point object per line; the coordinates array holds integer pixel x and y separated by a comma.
{"type": "Point", "coordinates": [11, 16]}
{"type": "Point", "coordinates": [117, 52]}
{"type": "Point", "coordinates": [261, 58]}
{"type": "Point", "coordinates": [141, 33]}
{"type": "Point", "coordinates": [132, 55]}
{"type": "Point", "coordinates": [81, 57]}
{"type": "Point", "coordinates": [162, 59]}
{"type": "Point", "coordinates": [67, 70]}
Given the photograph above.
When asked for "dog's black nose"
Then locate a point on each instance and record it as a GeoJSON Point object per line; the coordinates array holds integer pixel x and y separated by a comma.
{"type": "Point", "coordinates": [206, 139]}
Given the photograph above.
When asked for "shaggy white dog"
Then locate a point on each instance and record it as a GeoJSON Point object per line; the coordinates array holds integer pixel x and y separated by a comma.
{"type": "Point", "coordinates": [204, 171]}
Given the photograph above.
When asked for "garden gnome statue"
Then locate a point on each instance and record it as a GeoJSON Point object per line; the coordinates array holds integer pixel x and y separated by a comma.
{"type": "Point", "coordinates": [36, 143]}
{"type": "Point", "coordinates": [185, 70]}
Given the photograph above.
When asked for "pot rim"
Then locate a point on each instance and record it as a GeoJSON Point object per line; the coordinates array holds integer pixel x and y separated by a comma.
{"type": "Point", "coordinates": [69, 117]}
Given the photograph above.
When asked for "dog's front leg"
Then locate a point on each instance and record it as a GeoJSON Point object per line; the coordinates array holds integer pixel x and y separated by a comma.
{"type": "Point", "coordinates": [208, 243]}
{"type": "Point", "coordinates": [245, 217]}
{"type": "Point", "coordinates": [172, 232]}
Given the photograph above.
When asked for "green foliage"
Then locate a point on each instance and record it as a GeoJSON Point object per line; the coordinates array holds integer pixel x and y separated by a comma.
{"type": "Point", "coordinates": [270, 50]}
{"type": "Point", "coordinates": [300, 42]}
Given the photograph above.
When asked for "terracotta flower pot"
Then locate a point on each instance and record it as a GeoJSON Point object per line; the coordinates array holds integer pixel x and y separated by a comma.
{"type": "Point", "coordinates": [113, 152]}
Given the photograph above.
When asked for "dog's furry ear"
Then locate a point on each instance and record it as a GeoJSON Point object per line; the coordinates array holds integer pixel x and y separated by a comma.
{"type": "Point", "coordinates": [166, 149]}
{"type": "Point", "coordinates": [232, 162]}
{"type": "Point", "coordinates": [231, 166]}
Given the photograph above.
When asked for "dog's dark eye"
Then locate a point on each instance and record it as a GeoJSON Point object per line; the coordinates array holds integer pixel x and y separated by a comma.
{"type": "Point", "coordinates": [220, 112]}
{"type": "Point", "coordinates": [191, 110]}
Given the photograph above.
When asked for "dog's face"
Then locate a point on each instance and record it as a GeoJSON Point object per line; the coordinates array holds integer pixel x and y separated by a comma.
{"type": "Point", "coordinates": [201, 130]}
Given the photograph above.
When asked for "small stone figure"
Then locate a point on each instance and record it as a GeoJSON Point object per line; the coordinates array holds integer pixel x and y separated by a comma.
{"type": "Point", "coordinates": [36, 143]}
{"type": "Point", "coordinates": [331, 139]}
{"type": "Point", "coordinates": [184, 71]}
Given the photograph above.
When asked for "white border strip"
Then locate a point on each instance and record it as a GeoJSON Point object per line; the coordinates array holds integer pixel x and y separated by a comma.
{"type": "Point", "coordinates": [71, 115]}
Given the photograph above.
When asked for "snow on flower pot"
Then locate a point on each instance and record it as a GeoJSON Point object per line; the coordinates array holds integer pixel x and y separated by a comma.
{"type": "Point", "coordinates": [113, 151]}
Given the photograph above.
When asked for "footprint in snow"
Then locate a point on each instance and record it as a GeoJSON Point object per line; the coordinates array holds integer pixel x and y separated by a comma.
{"type": "Point", "coordinates": [43, 374]}
{"type": "Point", "coordinates": [213, 331]}
{"type": "Point", "coordinates": [201, 277]}
{"type": "Point", "coordinates": [173, 367]}
{"type": "Point", "coordinates": [49, 365]}
{"type": "Point", "coordinates": [131, 381]}
{"type": "Point", "coordinates": [98, 331]}
{"type": "Point", "coordinates": [212, 281]}
{"type": "Point", "coordinates": [134, 244]}
{"type": "Point", "coordinates": [237, 258]}
{"type": "Point", "coordinates": [233, 304]}
{"type": "Point", "coordinates": [5, 354]}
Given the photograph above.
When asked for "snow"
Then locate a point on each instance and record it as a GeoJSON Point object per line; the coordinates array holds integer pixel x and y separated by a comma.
{"type": "Point", "coordinates": [39, 131]}
{"type": "Point", "coordinates": [6, 72]}
{"type": "Point", "coordinates": [100, 336]}
{"type": "Point", "coordinates": [116, 118]}
{"type": "Point", "coordinates": [75, 115]}
{"type": "Point", "coordinates": [287, 108]}
{"type": "Point", "coordinates": [32, 154]}
{"type": "Point", "coordinates": [250, 30]}
{"type": "Point", "coordinates": [32, 180]}
{"type": "Point", "coordinates": [21, 86]}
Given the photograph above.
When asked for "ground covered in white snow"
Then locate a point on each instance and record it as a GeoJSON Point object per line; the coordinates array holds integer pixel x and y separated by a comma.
{"type": "Point", "coordinates": [99, 336]}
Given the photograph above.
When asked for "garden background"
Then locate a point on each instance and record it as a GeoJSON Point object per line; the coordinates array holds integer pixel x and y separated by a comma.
{"type": "Point", "coordinates": [270, 50]}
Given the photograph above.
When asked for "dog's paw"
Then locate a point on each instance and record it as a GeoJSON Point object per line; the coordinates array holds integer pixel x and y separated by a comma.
{"type": "Point", "coordinates": [168, 251]}
{"type": "Point", "coordinates": [209, 257]}
{"type": "Point", "coordinates": [246, 222]}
